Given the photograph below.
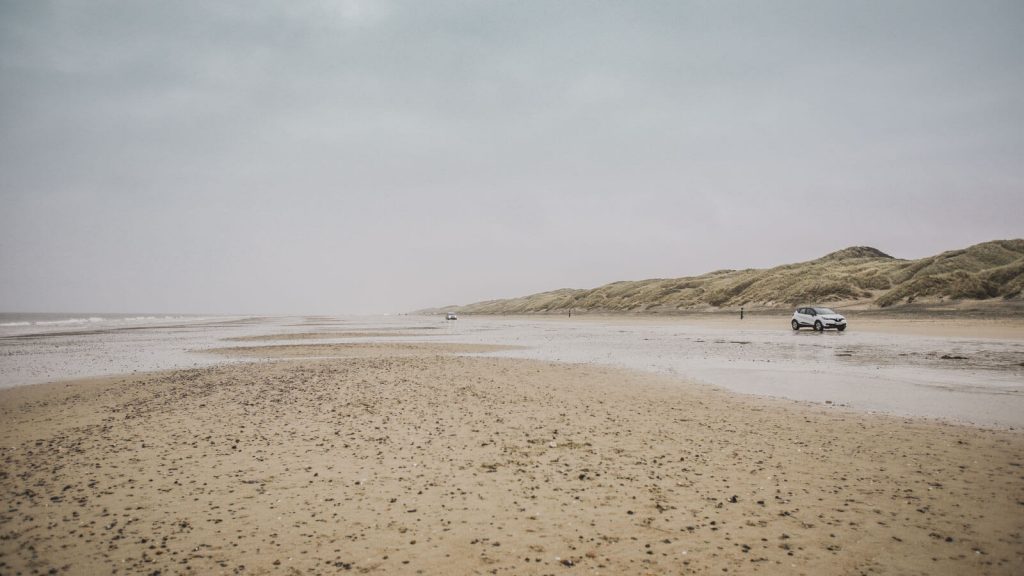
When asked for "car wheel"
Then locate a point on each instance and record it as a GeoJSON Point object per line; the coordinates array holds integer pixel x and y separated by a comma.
{"type": "Point", "coordinates": [795, 324]}
{"type": "Point", "coordinates": [817, 326]}
{"type": "Point", "coordinates": [841, 328]}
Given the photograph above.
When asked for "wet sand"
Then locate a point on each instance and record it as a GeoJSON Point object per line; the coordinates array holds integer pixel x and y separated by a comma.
{"type": "Point", "coordinates": [910, 365]}
{"type": "Point", "coordinates": [885, 366]}
{"type": "Point", "coordinates": [1010, 326]}
{"type": "Point", "coordinates": [414, 461]}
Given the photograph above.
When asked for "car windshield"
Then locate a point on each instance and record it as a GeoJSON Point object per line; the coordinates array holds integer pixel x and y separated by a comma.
{"type": "Point", "coordinates": [824, 311]}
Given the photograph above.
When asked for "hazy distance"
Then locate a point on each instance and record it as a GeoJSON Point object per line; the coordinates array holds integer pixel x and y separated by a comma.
{"type": "Point", "coordinates": [358, 157]}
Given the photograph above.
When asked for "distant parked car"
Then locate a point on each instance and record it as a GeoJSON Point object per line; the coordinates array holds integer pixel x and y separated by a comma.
{"type": "Point", "coordinates": [451, 316]}
{"type": "Point", "coordinates": [818, 318]}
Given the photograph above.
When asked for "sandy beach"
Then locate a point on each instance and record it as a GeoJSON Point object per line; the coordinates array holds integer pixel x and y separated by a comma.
{"type": "Point", "coordinates": [510, 288]}
{"type": "Point", "coordinates": [406, 458]}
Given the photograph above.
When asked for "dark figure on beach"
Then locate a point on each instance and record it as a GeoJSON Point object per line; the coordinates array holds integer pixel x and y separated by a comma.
{"type": "Point", "coordinates": [741, 312]}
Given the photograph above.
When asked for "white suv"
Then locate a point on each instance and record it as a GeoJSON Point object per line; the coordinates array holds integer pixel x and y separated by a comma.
{"type": "Point", "coordinates": [818, 318]}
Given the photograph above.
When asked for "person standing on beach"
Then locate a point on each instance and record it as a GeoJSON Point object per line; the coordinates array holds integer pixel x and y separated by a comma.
{"type": "Point", "coordinates": [741, 312]}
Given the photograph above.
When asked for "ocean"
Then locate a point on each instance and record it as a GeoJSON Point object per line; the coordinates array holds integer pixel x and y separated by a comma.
{"type": "Point", "coordinates": [16, 323]}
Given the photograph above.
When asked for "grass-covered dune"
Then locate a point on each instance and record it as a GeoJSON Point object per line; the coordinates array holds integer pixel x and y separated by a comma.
{"type": "Point", "coordinates": [859, 276]}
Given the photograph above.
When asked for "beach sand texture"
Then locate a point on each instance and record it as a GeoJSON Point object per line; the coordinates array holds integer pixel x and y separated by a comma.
{"type": "Point", "coordinates": [415, 461]}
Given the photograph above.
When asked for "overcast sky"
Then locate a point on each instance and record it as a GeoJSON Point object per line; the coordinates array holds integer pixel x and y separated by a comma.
{"type": "Point", "coordinates": [359, 156]}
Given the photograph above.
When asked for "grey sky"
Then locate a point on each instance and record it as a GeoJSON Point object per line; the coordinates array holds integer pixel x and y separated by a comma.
{"type": "Point", "coordinates": [279, 157]}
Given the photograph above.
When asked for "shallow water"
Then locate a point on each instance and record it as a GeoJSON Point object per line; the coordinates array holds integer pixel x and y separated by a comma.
{"type": "Point", "coordinates": [974, 380]}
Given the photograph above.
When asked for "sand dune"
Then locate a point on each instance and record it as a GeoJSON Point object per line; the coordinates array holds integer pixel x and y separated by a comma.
{"type": "Point", "coordinates": [859, 276]}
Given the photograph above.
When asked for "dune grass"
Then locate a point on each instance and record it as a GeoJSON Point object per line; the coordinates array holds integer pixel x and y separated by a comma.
{"type": "Point", "coordinates": [857, 276]}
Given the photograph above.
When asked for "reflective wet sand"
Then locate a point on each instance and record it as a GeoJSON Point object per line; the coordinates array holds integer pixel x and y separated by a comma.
{"type": "Point", "coordinates": [964, 371]}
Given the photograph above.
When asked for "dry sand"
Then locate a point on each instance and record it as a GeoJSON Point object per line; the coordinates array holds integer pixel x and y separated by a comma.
{"type": "Point", "coordinates": [408, 460]}
{"type": "Point", "coordinates": [358, 349]}
{"type": "Point", "coordinates": [317, 336]}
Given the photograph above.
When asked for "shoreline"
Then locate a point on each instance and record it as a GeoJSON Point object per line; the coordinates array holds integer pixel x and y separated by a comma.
{"type": "Point", "coordinates": [1011, 327]}
{"type": "Point", "coordinates": [404, 461]}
